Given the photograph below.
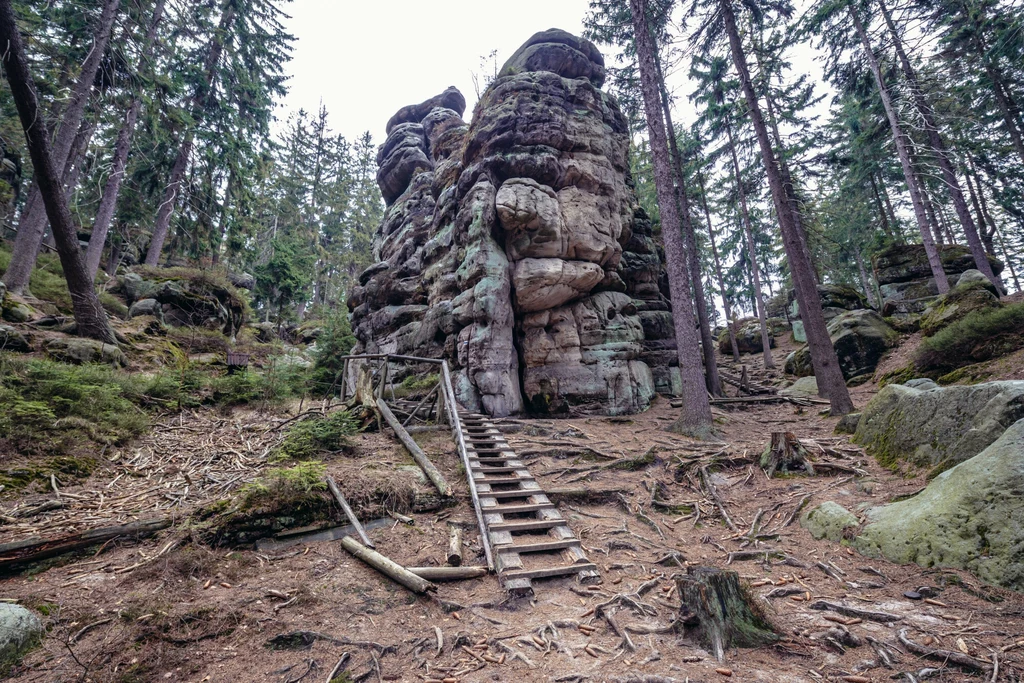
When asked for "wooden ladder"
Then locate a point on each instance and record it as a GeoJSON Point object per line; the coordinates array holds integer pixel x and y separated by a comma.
{"type": "Point", "coordinates": [527, 533]}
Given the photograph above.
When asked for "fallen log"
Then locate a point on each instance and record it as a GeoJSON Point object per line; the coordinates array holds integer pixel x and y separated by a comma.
{"type": "Point", "coordinates": [448, 573]}
{"type": "Point", "coordinates": [868, 615]}
{"type": "Point", "coordinates": [963, 661]}
{"type": "Point", "coordinates": [435, 476]}
{"type": "Point", "coordinates": [719, 613]}
{"type": "Point", "coordinates": [388, 567]}
{"type": "Point", "coordinates": [454, 544]}
{"type": "Point", "coordinates": [343, 504]}
{"type": "Point", "coordinates": [17, 554]}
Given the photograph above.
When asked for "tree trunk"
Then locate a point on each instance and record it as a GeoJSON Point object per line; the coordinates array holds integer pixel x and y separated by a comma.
{"type": "Point", "coordinates": [865, 282]}
{"type": "Point", "coordinates": [884, 220]}
{"type": "Point", "coordinates": [823, 355]}
{"type": "Point", "coordinates": [937, 143]}
{"type": "Point", "coordinates": [199, 100]}
{"type": "Point", "coordinates": [892, 212]}
{"type": "Point", "coordinates": [719, 613]}
{"type": "Point", "coordinates": [1005, 109]}
{"type": "Point", "coordinates": [32, 225]}
{"type": "Point", "coordinates": [755, 271]}
{"type": "Point", "coordinates": [941, 281]}
{"type": "Point", "coordinates": [222, 227]}
{"type": "Point", "coordinates": [112, 188]}
{"type": "Point", "coordinates": [696, 417]}
{"type": "Point", "coordinates": [711, 379]}
{"type": "Point", "coordinates": [718, 270]}
{"type": "Point", "coordinates": [929, 208]}
{"type": "Point", "coordinates": [90, 317]}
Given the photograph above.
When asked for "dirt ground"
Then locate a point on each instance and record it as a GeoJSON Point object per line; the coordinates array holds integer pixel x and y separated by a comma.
{"type": "Point", "coordinates": [130, 613]}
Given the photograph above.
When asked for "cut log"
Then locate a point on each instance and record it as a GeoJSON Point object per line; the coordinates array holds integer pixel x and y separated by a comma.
{"type": "Point", "coordinates": [385, 566]}
{"type": "Point", "coordinates": [435, 476]}
{"type": "Point", "coordinates": [454, 544]}
{"type": "Point", "coordinates": [16, 555]}
{"type": "Point", "coordinates": [718, 613]}
{"type": "Point", "coordinates": [785, 453]}
{"type": "Point", "coordinates": [343, 504]}
{"type": "Point", "coordinates": [448, 573]}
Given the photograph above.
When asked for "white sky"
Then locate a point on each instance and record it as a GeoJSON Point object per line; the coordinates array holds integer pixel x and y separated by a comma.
{"type": "Point", "coordinates": [368, 58]}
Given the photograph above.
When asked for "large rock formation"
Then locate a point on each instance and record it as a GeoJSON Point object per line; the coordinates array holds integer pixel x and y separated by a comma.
{"type": "Point", "coordinates": [929, 426]}
{"type": "Point", "coordinates": [514, 246]}
{"type": "Point", "coordinates": [968, 517]}
{"type": "Point", "coordinates": [860, 337]}
{"type": "Point", "coordinates": [905, 279]}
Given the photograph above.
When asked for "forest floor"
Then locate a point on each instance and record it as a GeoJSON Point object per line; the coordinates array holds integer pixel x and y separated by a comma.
{"type": "Point", "coordinates": [167, 609]}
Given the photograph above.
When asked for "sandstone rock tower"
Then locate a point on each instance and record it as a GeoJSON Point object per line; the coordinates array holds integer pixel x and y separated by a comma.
{"type": "Point", "coordinates": [514, 245]}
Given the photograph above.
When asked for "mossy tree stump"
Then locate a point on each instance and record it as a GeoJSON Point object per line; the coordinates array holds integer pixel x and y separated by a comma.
{"type": "Point", "coordinates": [785, 454]}
{"type": "Point", "coordinates": [718, 613]}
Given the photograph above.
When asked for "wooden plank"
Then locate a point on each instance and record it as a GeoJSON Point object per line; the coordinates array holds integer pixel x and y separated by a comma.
{"type": "Point", "coordinates": [514, 509]}
{"type": "Point", "coordinates": [348, 512]}
{"type": "Point", "coordinates": [548, 572]}
{"type": "Point", "coordinates": [540, 546]}
{"type": "Point", "coordinates": [417, 453]}
{"type": "Point", "coordinates": [527, 525]}
{"type": "Point", "coordinates": [451, 408]}
{"type": "Point", "coordinates": [386, 566]}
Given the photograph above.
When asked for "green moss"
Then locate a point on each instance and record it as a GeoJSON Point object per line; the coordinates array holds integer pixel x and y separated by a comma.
{"type": "Point", "coordinates": [114, 306]}
{"type": "Point", "coordinates": [971, 374]}
{"type": "Point", "coordinates": [898, 376]}
{"type": "Point", "coordinates": [981, 335]}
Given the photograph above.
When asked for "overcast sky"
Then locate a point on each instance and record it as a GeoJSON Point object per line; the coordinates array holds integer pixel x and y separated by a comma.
{"type": "Point", "coordinates": [366, 59]}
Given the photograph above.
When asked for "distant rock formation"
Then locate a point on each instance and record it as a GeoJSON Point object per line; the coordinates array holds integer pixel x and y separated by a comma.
{"type": "Point", "coordinates": [905, 279]}
{"type": "Point", "coordinates": [514, 246]}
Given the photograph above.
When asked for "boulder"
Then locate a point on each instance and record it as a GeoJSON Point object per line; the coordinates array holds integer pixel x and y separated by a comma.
{"type": "Point", "coordinates": [266, 332]}
{"type": "Point", "coordinates": [976, 277]}
{"type": "Point", "coordinates": [908, 262]}
{"type": "Point", "coordinates": [799, 334]}
{"type": "Point", "coordinates": [245, 281]}
{"type": "Point", "coordinates": [847, 424]}
{"type": "Point", "coordinates": [968, 296]}
{"type": "Point", "coordinates": [935, 427]}
{"type": "Point", "coordinates": [79, 350]}
{"type": "Point", "coordinates": [450, 99]}
{"type": "Point", "coordinates": [834, 300]}
{"type": "Point", "coordinates": [135, 287]}
{"type": "Point", "coordinates": [829, 520]}
{"type": "Point", "coordinates": [859, 337]}
{"type": "Point", "coordinates": [146, 307]}
{"type": "Point", "coordinates": [20, 631]}
{"type": "Point", "coordinates": [16, 311]}
{"type": "Point", "coordinates": [805, 387]}
{"type": "Point", "coordinates": [968, 517]}
{"type": "Point", "coordinates": [13, 340]}
{"type": "Point", "coordinates": [748, 337]}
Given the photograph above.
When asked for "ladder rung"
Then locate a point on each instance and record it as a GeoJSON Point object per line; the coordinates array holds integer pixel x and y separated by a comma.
{"type": "Point", "coordinates": [528, 525]}
{"type": "Point", "coordinates": [544, 573]}
{"type": "Point", "coordinates": [513, 508]}
{"type": "Point", "coordinates": [541, 547]}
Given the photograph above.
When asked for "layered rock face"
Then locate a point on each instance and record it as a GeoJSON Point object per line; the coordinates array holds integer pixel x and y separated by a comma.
{"type": "Point", "coordinates": [514, 246]}
{"type": "Point", "coordinates": [905, 279]}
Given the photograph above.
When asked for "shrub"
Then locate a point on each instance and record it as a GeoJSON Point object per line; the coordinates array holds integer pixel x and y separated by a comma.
{"type": "Point", "coordinates": [285, 487]}
{"type": "Point", "coordinates": [336, 341]}
{"type": "Point", "coordinates": [317, 434]}
{"type": "Point", "coordinates": [980, 336]}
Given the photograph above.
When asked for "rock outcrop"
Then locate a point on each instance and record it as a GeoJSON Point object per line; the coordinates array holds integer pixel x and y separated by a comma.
{"type": "Point", "coordinates": [514, 246]}
{"type": "Point", "coordinates": [969, 517]}
{"type": "Point", "coordinates": [970, 294]}
{"type": "Point", "coordinates": [929, 426]}
{"type": "Point", "coordinates": [860, 338]}
{"type": "Point", "coordinates": [748, 337]}
{"type": "Point", "coordinates": [905, 279]}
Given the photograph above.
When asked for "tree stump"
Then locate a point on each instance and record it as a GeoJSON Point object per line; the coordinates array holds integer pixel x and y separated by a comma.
{"type": "Point", "coordinates": [718, 613]}
{"type": "Point", "coordinates": [785, 453]}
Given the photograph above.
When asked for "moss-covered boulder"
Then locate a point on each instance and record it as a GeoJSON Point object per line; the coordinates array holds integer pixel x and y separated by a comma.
{"type": "Point", "coordinates": [828, 520]}
{"type": "Point", "coordinates": [908, 262]}
{"type": "Point", "coordinates": [188, 297]}
{"type": "Point", "coordinates": [969, 295]}
{"type": "Point", "coordinates": [20, 631]}
{"type": "Point", "coordinates": [16, 311]}
{"type": "Point", "coordinates": [937, 427]}
{"type": "Point", "coordinates": [804, 387]}
{"type": "Point", "coordinates": [13, 340]}
{"type": "Point", "coordinates": [835, 299]}
{"type": "Point", "coordinates": [969, 517]}
{"type": "Point", "coordinates": [859, 337]}
{"type": "Point", "coordinates": [78, 350]}
{"type": "Point", "coordinates": [748, 337]}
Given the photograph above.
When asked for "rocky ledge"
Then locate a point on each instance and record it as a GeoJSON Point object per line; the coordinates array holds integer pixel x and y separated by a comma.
{"type": "Point", "coordinates": [514, 245]}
